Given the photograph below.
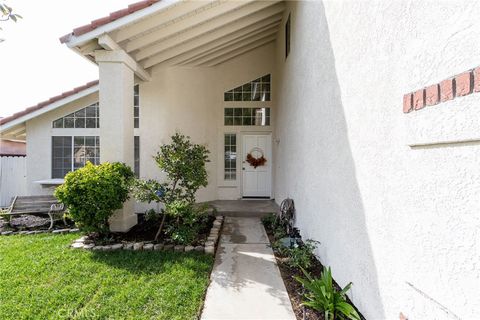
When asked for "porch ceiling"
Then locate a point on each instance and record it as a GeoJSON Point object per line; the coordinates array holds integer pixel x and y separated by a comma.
{"type": "Point", "coordinates": [189, 33]}
{"type": "Point", "coordinates": [17, 133]}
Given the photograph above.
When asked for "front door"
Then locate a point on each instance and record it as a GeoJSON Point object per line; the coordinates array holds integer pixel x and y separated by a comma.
{"type": "Point", "coordinates": [257, 171]}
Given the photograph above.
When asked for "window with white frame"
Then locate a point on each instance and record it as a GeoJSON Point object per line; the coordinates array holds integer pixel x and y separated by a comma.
{"type": "Point", "coordinates": [87, 117]}
{"type": "Point", "coordinates": [247, 116]}
{"type": "Point", "coordinates": [70, 153]}
{"type": "Point", "coordinates": [136, 156]}
{"type": "Point", "coordinates": [230, 148]}
{"type": "Point", "coordinates": [256, 90]}
{"type": "Point", "coordinates": [136, 107]}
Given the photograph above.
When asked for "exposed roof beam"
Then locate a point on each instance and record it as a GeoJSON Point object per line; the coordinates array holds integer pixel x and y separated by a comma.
{"type": "Point", "coordinates": [231, 48]}
{"type": "Point", "coordinates": [106, 42]}
{"type": "Point", "coordinates": [184, 24]}
{"type": "Point", "coordinates": [119, 23]}
{"type": "Point", "coordinates": [156, 20]}
{"type": "Point", "coordinates": [218, 45]}
{"type": "Point", "coordinates": [216, 28]}
{"type": "Point", "coordinates": [210, 40]}
{"type": "Point", "coordinates": [21, 133]}
{"type": "Point", "coordinates": [89, 47]}
{"type": "Point", "coordinates": [236, 53]}
{"type": "Point", "coordinates": [199, 50]}
{"type": "Point", "coordinates": [203, 50]}
{"type": "Point", "coordinates": [16, 131]}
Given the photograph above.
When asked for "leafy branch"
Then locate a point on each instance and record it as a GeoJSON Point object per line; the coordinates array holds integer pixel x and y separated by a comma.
{"type": "Point", "coordinates": [7, 13]}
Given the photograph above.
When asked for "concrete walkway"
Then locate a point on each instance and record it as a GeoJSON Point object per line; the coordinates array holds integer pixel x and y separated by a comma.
{"type": "Point", "coordinates": [245, 281]}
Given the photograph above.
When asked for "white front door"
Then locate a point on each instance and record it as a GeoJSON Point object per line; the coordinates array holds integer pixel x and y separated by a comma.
{"type": "Point", "coordinates": [257, 182]}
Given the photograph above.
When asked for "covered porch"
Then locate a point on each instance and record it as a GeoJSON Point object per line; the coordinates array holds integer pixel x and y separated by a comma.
{"type": "Point", "coordinates": [205, 68]}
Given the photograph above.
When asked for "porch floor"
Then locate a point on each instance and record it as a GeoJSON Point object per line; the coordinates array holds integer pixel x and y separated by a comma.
{"type": "Point", "coordinates": [245, 281]}
{"type": "Point", "coordinates": [244, 208]}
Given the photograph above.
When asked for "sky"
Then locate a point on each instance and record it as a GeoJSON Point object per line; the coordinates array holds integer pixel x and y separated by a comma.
{"type": "Point", "coordinates": [34, 64]}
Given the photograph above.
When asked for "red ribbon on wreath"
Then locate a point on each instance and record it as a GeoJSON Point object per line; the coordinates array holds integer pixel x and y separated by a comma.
{"type": "Point", "coordinates": [256, 162]}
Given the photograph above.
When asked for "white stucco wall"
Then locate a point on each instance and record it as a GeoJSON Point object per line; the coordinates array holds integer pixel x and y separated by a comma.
{"type": "Point", "coordinates": [389, 214]}
{"type": "Point", "coordinates": [39, 142]}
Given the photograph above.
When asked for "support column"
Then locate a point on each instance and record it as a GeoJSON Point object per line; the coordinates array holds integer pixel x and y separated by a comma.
{"type": "Point", "coordinates": [116, 122]}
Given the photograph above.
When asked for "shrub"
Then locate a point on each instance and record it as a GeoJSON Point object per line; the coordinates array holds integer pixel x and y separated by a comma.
{"type": "Point", "coordinates": [269, 221]}
{"type": "Point", "coordinates": [92, 194]}
{"type": "Point", "coordinates": [275, 225]}
{"type": "Point", "coordinates": [322, 296]}
{"type": "Point", "coordinates": [299, 256]}
{"type": "Point", "coordinates": [185, 166]}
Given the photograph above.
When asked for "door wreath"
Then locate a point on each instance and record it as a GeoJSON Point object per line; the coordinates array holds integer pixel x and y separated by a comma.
{"type": "Point", "coordinates": [256, 161]}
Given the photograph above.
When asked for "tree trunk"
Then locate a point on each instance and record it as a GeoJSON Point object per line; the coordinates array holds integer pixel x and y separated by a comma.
{"type": "Point", "coordinates": [160, 228]}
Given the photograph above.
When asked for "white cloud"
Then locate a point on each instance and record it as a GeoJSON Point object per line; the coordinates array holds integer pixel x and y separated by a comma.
{"type": "Point", "coordinates": [34, 65]}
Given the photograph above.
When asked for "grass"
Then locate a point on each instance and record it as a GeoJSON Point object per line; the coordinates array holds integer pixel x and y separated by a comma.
{"type": "Point", "coordinates": [41, 278]}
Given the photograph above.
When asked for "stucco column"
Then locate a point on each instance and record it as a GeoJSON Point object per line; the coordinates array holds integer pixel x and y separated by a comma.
{"type": "Point", "coordinates": [116, 122]}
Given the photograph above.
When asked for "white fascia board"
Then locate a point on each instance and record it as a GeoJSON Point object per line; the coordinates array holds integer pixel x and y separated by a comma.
{"type": "Point", "coordinates": [124, 21]}
{"type": "Point", "coordinates": [48, 108]}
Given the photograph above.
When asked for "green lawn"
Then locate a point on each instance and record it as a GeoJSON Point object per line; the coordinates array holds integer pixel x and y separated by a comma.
{"type": "Point", "coordinates": [41, 278]}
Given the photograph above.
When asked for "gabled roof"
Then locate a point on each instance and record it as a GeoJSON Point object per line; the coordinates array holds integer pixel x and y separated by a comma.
{"type": "Point", "coordinates": [107, 19]}
{"type": "Point", "coordinates": [48, 102]}
{"type": "Point", "coordinates": [158, 34]}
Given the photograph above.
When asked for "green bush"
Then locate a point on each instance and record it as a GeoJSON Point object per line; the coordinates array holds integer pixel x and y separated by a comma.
{"type": "Point", "coordinates": [299, 256]}
{"type": "Point", "coordinates": [275, 225]}
{"type": "Point", "coordinates": [269, 221]}
{"type": "Point", "coordinates": [186, 222]}
{"type": "Point", "coordinates": [92, 194]}
{"type": "Point", "coordinates": [322, 296]}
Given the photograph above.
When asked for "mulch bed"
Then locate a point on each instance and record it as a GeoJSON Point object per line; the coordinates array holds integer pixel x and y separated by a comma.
{"type": "Point", "coordinates": [295, 289]}
{"type": "Point", "coordinates": [145, 231]}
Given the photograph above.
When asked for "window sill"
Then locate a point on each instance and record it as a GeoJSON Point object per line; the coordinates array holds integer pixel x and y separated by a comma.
{"type": "Point", "coordinates": [50, 182]}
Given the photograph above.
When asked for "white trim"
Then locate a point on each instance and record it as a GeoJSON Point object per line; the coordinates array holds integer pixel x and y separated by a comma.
{"type": "Point", "coordinates": [119, 55]}
{"type": "Point", "coordinates": [50, 182]}
{"type": "Point", "coordinates": [48, 108]}
{"type": "Point", "coordinates": [74, 41]}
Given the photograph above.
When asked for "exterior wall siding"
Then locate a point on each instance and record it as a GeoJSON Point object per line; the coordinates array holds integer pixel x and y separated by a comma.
{"type": "Point", "coordinates": [392, 197]}
{"type": "Point", "coordinates": [12, 179]}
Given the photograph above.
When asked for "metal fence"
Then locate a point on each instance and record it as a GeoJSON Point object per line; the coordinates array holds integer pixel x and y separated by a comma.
{"type": "Point", "coordinates": [13, 178]}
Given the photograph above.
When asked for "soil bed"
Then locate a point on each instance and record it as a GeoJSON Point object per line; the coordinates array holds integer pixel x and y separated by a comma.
{"type": "Point", "coordinates": [145, 231]}
{"type": "Point", "coordinates": [295, 289]}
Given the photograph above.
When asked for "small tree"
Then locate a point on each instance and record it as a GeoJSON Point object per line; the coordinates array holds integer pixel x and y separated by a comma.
{"type": "Point", "coordinates": [92, 194]}
{"type": "Point", "coordinates": [185, 166]}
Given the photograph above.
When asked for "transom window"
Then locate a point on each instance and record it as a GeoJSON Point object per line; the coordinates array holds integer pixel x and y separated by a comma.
{"type": "Point", "coordinates": [70, 153]}
{"type": "Point", "coordinates": [84, 118]}
{"type": "Point", "coordinates": [230, 156]}
{"type": "Point", "coordinates": [247, 117]}
{"type": "Point", "coordinates": [256, 90]}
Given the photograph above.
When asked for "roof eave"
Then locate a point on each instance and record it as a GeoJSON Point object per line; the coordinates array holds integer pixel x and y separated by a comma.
{"type": "Point", "coordinates": [73, 40]}
{"type": "Point", "coordinates": [44, 109]}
